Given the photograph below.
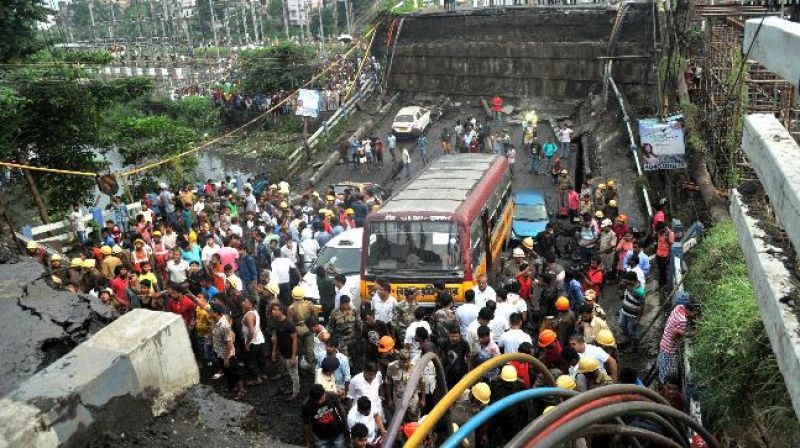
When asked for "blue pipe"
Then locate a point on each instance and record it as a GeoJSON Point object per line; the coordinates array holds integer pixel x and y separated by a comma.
{"type": "Point", "coordinates": [495, 408]}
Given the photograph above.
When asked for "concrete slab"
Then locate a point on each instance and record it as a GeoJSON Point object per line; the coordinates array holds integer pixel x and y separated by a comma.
{"type": "Point", "coordinates": [777, 46]}
{"type": "Point", "coordinates": [771, 284]}
{"type": "Point", "coordinates": [132, 368]}
{"type": "Point", "coordinates": [775, 157]}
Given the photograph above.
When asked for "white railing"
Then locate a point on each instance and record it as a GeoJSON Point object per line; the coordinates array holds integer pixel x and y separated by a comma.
{"type": "Point", "coordinates": [297, 155]}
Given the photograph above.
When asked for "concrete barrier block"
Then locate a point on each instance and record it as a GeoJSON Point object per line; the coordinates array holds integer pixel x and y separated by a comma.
{"type": "Point", "coordinates": [772, 283]}
{"type": "Point", "coordinates": [775, 157]}
{"type": "Point", "coordinates": [129, 371]}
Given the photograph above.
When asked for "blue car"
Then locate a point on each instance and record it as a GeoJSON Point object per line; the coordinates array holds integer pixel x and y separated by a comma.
{"type": "Point", "coordinates": [530, 215]}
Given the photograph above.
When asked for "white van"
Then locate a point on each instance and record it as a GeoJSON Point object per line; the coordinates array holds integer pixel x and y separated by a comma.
{"type": "Point", "coordinates": [343, 254]}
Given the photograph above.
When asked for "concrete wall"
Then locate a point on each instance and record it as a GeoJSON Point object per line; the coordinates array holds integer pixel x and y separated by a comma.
{"type": "Point", "coordinates": [128, 372]}
{"type": "Point", "coordinates": [521, 52]}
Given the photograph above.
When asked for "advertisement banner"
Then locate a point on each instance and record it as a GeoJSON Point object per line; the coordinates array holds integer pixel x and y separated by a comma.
{"type": "Point", "coordinates": [662, 143]}
{"type": "Point", "coordinates": [308, 103]}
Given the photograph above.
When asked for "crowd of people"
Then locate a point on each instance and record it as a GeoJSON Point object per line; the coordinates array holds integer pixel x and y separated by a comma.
{"type": "Point", "coordinates": [230, 262]}
{"type": "Point", "coordinates": [333, 87]}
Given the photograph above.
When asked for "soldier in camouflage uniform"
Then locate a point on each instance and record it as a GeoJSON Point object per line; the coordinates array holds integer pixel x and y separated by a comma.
{"type": "Point", "coordinates": [345, 326]}
{"type": "Point", "coordinates": [404, 314]}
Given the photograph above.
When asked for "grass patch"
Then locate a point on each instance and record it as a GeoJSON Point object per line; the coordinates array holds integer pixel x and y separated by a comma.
{"type": "Point", "coordinates": [741, 387]}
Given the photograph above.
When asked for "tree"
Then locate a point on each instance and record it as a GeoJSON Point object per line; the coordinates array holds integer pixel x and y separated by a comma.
{"type": "Point", "coordinates": [18, 20]}
{"type": "Point", "coordinates": [284, 66]}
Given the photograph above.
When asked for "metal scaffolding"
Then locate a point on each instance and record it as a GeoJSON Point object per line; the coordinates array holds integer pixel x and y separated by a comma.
{"type": "Point", "coordinates": [723, 108]}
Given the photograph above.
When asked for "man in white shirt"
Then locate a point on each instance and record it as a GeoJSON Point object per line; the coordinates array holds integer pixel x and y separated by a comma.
{"type": "Point", "coordinates": [367, 384]}
{"type": "Point", "coordinates": [504, 310]}
{"type": "Point", "coordinates": [484, 317]}
{"type": "Point", "coordinates": [347, 287]}
{"type": "Point", "coordinates": [199, 206]}
{"type": "Point", "coordinates": [565, 136]}
{"type": "Point", "coordinates": [384, 303]}
{"type": "Point", "coordinates": [78, 224]}
{"type": "Point", "coordinates": [483, 292]}
{"type": "Point", "coordinates": [236, 228]}
{"type": "Point", "coordinates": [364, 413]}
{"type": "Point", "coordinates": [514, 337]}
{"type": "Point", "coordinates": [468, 312]}
{"type": "Point", "coordinates": [607, 364]}
{"type": "Point", "coordinates": [410, 341]}
{"type": "Point", "coordinates": [250, 202]}
{"type": "Point", "coordinates": [290, 251]}
{"type": "Point", "coordinates": [208, 251]}
{"type": "Point", "coordinates": [281, 274]}
{"type": "Point", "coordinates": [177, 268]}
{"type": "Point", "coordinates": [309, 247]}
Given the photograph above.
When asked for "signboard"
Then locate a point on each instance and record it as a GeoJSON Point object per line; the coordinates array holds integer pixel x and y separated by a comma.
{"type": "Point", "coordinates": [308, 103]}
{"type": "Point", "coordinates": [662, 145]}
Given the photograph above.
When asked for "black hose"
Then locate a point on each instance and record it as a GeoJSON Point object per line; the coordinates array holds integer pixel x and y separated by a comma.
{"type": "Point", "coordinates": [574, 426]}
{"type": "Point", "coordinates": [628, 431]}
{"type": "Point", "coordinates": [664, 424]}
{"type": "Point", "coordinates": [411, 388]}
{"type": "Point", "coordinates": [564, 408]}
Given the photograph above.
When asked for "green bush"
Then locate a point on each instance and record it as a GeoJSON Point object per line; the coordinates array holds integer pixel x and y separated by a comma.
{"type": "Point", "coordinates": [197, 112]}
{"type": "Point", "coordinates": [732, 359]}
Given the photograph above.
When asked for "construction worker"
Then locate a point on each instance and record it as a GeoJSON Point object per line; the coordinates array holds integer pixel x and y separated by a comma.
{"type": "Point", "coordinates": [34, 251]}
{"type": "Point", "coordinates": [565, 320]}
{"type": "Point", "coordinates": [594, 376]}
{"type": "Point", "coordinates": [109, 263]}
{"type": "Point", "coordinates": [57, 273]}
{"type": "Point", "coordinates": [605, 340]}
{"type": "Point", "coordinates": [600, 197]}
{"type": "Point", "coordinates": [507, 423]}
{"type": "Point", "coordinates": [299, 312]}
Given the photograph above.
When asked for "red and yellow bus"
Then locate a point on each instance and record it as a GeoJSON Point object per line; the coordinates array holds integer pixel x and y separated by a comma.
{"type": "Point", "coordinates": [447, 225]}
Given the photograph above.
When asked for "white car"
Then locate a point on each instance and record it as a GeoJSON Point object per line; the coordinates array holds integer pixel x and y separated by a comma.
{"type": "Point", "coordinates": [411, 121]}
{"type": "Point", "coordinates": [343, 254]}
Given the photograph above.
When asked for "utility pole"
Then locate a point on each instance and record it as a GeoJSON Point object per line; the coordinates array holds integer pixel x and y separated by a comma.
{"type": "Point", "coordinates": [321, 29]}
{"type": "Point", "coordinates": [347, 13]}
{"type": "Point", "coordinates": [91, 17]}
{"type": "Point", "coordinates": [336, 17]}
{"type": "Point", "coordinates": [285, 5]}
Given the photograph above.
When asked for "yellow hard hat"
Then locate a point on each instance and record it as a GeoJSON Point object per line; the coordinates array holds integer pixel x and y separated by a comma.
{"type": "Point", "coordinates": [32, 245]}
{"type": "Point", "coordinates": [612, 203]}
{"type": "Point", "coordinates": [482, 393]}
{"type": "Point", "coordinates": [590, 294]}
{"type": "Point", "coordinates": [508, 373]}
{"type": "Point", "coordinates": [329, 213]}
{"type": "Point", "coordinates": [598, 214]}
{"type": "Point", "coordinates": [298, 293]}
{"type": "Point", "coordinates": [156, 234]}
{"type": "Point", "coordinates": [315, 194]}
{"type": "Point", "coordinates": [118, 250]}
{"type": "Point", "coordinates": [547, 410]}
{"type": "Point", "coordinates": [283, 204]}
{"type": "Point", "coordinates": [562, 303]}
{"type": "Point", "coordinates": [89, 263]}
{"type": "Point", "coordinates": [273, 187]}
{"type": "Point", "coordinates": [586, 365]}
{"type": "Point", "coordinates": [601, 186]}
{"type": "Point", "coordinates": [283, 185]}
{"type": "Point", "coordinates": [55, 257]}
{"type": "Point", "coordinates": [610, 183]}
{"type": "Point", "coordinates": [566, 382]}
{"type": "Point", "coordinates": [350, 211]}
{"type": "Point", "coordinates": [527, 242]}
{"type": "Point", "coordinates": [76, 262]}
{"type": "Point", "coordinates": [330, 198]}
{"type": "Point", "coordinates": [606, 338]}
{"type": "Point", "coordinates": [283, 191]}
{"type": "Point", "coordinates": [564, 172]}
{"type": "Point", "coordinates": [273, 288]}
{"type": "Point", "coordinates": [106, 250]}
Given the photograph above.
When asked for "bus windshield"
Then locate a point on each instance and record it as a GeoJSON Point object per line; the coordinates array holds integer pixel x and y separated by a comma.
{"type": "Point", "coordinates": [397, 246]}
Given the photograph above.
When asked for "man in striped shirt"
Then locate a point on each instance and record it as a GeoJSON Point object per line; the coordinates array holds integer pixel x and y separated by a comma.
{"type": "Point", "coordinates": [631, 310]}
{"type": "Point", "coordinates": [674, 330]}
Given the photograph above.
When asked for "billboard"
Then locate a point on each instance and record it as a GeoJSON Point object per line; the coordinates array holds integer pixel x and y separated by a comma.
{"type": "Point", "coordinates": [662, 145]}
{"type": "Point", "coordinates": [308, 103]}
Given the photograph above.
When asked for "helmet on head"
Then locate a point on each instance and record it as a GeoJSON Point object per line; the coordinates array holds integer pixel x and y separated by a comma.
{"type": "Point", "coordinates": [586, 365]}
{"type": "Point", "coordinates": [518, 253]}
{"type": "Point", "coordinates": [508, 373]}
{"type": "Point", "coordinates": [566, 382]}
{"type": "Point", "coordinates": [612, 203]}
{"type": "Point", "coordinates": [76, 262]}
{"type": "Point", "coordinates": [562, 303]}
{"type": "Point", "coordinates": [605, 338]}
{"type": "Point", "coordinates": [481, 392]}
{"type": "Point", "coordinates": [32, 245]}
{"type": "Point", "coordinates": [598, 214]}
{"type": "Point", "coordinates": [610, 183]}
{"type": "Point", "coordinates": [527, 242]}
{"type": "Point", "coordinates": [385, 344]}
{"type": "Point", "coordinates": [106, 250]}
{"type": "Point", "coordinates": [546, 337]}
{"type": "Point", "coordinates": [601, 186]}
{"type": "Point", "coordinates": [298, 293]}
